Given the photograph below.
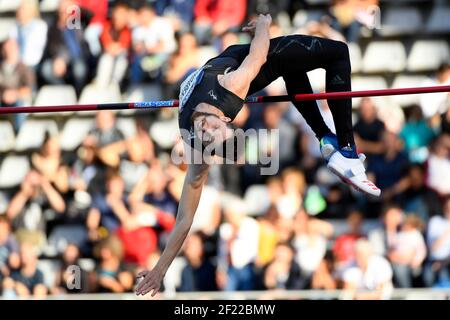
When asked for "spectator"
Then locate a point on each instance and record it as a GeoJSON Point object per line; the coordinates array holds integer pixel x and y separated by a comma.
{"type": "Point", "coordinates": [28, 280]}
{"type": "Point", "coordinates": [106, 139]}
{"type": "Point", "coordinates": [85, 169]}
{"type": "Point", "coordinates": [16, 80]}
{"type": "Point", "coordinates": [322, 29]}
{"type": "Point", "coordinates": [436, 103]}
{"type": "Point", "coordinates": [111, 273]}
{"type": "Point", "coordinates": [437, 270]}
{"type": "Point", "coordinates": [213, 18]}
{"type": "Point", "coordinates": [323, 278]}
{"type": "Point", "coordinates": [66, 56]}
{"type": "Point", "coordinates": [409, 252]}
{"type": "Point", "coordinates": [238, 249]}
{"type": "Point", "coordinates": [30, 32]}
{"type": "Point", "coordinates": [66, 275]}
{"type": "Point", "coordinates": [9, 249]}
{"type": "Point", "coordinates": [268, 236]}
{"type": "Point", "coordinates": [181, 63]}
{"type": "Point", "coordinates": [283, 272]}
{"type": "Point", "coordinates": [438, 165]}
{"type": "Point", "coordinates": [105, 131]}
{"type": "Point", "coordinates": [140, 154]}
{"type": "Point", "coordinates": [48, 163]}
{"type": "Point", "coordinates": [310, 242]}
{"type": "Point", "coordinates": [153, 42]}
{"type": "Point", "coordinates": [116, 43]}
{"type": "Point", "coordinates": [344, 245]}
{"type": "Point", "coordinates": [157, 190]}
{"type": "Point", "coordinates": [29, 208]}
{"type": "Point", "coordinates": [383, 239]}
{"type": "Point", "coordinates": [389, 168]}
{"type": "Point", "coordinates": [416, 135]}
{"type": "Point", "coordinates": [445, 123]}
{"type": "Point", "coordinates": [96, 11]}
{"type": "Point", "coordinates": [416, 196]}
{"type": "Point", "coordinates": [199, 273]}
{"type": "Point", "coordinates": [369, 129]}
{"type": "Point", "coordinates": [208, 215]}
{"type": "Point", "coordinates": [372, 274]}
{"type": "Point", "coordinates": [111, 210]}
{"type": "Point", "coordinates": [344, 20]}
{"type": "Point", "coordinates": [143, 234]}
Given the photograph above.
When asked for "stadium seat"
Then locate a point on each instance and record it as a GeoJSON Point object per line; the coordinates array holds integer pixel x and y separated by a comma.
{"type": "Point", "coordinates": [13, 170]}
{"type": "Point", "coordinates": [355, 57]}
{"type": "Point", "coordinates": [93, 93]}
{"type": "Point", "coordinates": [367, 83]}
{"type": "Point", "coordinates": [127, 126]}
{"type": "Point", "coordinates": [74, 132]}
{"type": "Point", "coordinates": [165, 133]}
{"type": "Point", "coordinates": [439, 20]}
{"type": "Point", "coordinates": [9, 5]}
{"type": "Point", "coordinates": [427, 55]}
{"type": "Point", "coordinates": [257, 199]}
{"type": "Point", "coordinates": [400, 21]}
{"type": "Point", "coordinates": [6, 25]}
{"type": "Point", "coordinates": [409, 81]}
{"type": "Point", "coordinates": [384, 56]}
{"type": "Point", "coordinates": [53, 95]}
{"type": "Point", "coordinates": [32, 133]}
{"type": "Point", "coordinates": [6, 136]}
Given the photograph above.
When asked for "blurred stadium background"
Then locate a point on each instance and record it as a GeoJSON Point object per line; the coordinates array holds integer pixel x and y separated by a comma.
{"type": "Point", "coordinates": [98, 190]}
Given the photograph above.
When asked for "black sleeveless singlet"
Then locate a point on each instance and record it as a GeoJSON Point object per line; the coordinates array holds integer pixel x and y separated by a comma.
{"type": "Point", "coordinates": [209, 90]}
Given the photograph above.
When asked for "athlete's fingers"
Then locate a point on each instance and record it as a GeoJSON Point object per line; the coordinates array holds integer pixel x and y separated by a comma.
{"type": "Point", "coordinates": [142, 285]}
{"type": "Point", "coordinates": [147, 286]}
{"type": "Point", "coordinates": [155, 291]}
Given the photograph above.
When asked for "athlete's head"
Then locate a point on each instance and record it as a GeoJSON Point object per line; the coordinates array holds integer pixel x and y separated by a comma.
{"type": "Point", "coordinates": [210, 125]}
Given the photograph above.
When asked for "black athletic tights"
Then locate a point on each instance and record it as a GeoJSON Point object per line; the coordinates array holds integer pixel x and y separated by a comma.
{"type": "Point", "coordinates": [291, 57]}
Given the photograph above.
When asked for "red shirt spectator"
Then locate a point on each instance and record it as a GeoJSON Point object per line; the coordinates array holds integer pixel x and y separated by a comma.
{"type": "Point", "coordinates": [111, 37]}
{"type": "Point", "coordinates": [141, 242]}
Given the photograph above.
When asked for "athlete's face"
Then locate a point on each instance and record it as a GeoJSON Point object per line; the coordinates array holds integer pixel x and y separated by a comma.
{"type": "Point", "coordinates": [211, 129]}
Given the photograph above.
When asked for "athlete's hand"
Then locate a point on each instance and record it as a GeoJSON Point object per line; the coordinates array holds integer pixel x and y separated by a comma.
{"type": "Point", "coordinates": [151, 280]}
{"type": "Point", "coordinates": [263, 21]}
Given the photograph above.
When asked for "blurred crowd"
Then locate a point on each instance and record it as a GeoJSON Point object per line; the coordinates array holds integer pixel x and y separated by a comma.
{"type": "Point", "coordinates": [114, 200]}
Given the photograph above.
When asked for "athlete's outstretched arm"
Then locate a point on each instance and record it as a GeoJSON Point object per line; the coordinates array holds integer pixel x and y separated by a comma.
{"type": "Point", "coordinates": [190, 197]}
{"type": "Point", "coordinates": [239, 80]}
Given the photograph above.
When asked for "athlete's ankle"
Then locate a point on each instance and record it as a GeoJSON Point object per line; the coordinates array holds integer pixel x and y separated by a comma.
{"type": "Point", "coordinates": [349, 151]}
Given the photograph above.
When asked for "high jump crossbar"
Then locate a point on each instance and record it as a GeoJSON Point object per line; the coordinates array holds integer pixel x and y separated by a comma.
{"type": "Point", "coordinates": [258, 99]}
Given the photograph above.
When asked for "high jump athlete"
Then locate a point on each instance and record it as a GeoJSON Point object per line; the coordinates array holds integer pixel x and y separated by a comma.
{"type": "Point", "coordinates": [212, 96]}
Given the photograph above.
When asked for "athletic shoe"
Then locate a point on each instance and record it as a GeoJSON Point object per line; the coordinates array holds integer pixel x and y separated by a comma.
{"type": "Point", "coordinates": [328, 145]}
{"type": "Point", "coordinates": [352, 171]}
{"type": "Point", "coordinates": [347, 164]}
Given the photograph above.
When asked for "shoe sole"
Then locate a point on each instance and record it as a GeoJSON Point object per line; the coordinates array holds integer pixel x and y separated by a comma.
{"type": "Point", "coordinates": [349, 182]}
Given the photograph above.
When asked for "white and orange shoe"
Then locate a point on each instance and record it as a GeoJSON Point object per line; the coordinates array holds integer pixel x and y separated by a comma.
{"type": "Point", "coordinates": [347, 165]}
